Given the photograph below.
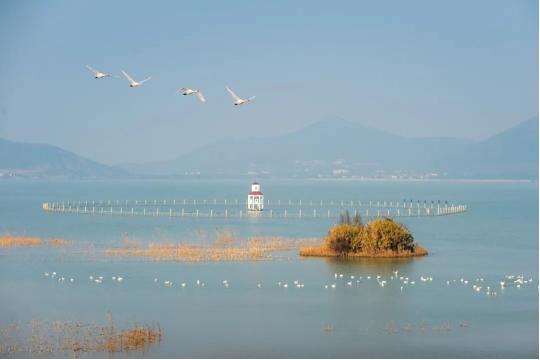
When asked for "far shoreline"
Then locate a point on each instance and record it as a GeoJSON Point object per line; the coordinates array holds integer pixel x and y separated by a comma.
{"type": "Point", "coordinates": [212, 179]}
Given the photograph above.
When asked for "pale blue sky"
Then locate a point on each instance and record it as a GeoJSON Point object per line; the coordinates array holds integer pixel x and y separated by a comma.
{"type": "Point", "coordinates": [416, 68]}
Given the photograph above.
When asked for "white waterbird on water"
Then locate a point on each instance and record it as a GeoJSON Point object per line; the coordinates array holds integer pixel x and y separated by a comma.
{"type": "Point", "coordinates": [133, 83]}
{"type": "Point", "coordinates": [188, 91]}
{"type": "Point", "coordinates": [237, 99]}
{"type": "Point", "coordinates": [98, 74]}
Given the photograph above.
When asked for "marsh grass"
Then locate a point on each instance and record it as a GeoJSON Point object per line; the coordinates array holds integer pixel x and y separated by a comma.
{"type": "Point", "coordinates": [227, 247]}
{"type": "Point", "coordinates": [9, 241]}
{"type": "Point", "coordinates": [69, 338]}
{"type": "Point", "coordinates": [13, 241]}
{"type": "Point", "coordinates": [323, 251]}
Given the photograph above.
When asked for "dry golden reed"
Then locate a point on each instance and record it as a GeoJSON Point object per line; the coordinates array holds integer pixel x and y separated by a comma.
{"type": "Point", "coordinates": [225, 248]}
{"type": "Point", "coordinates": [7, 241]}
{"type": "Point", "coordinates": [69, 338]}
{"type": "Point", "coordinates": [13, 241]}
{"type": "Point", "coordinates": [323, 251]}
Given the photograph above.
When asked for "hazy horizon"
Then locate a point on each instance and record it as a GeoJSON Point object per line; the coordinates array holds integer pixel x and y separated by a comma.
{"type": "Point", "coordinates": [416, 69]}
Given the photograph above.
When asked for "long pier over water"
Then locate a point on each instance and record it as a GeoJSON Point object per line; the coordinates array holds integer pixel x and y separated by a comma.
{"type": "Point", "coordinates": [299, 209]}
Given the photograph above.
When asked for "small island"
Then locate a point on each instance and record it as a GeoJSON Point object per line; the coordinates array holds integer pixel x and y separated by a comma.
{"type": "Point", "coordinates": [378, 238]}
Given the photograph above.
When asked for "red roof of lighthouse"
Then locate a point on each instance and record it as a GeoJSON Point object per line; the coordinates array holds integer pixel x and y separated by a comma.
{"type": "Point", "coordinates": [255, 193]}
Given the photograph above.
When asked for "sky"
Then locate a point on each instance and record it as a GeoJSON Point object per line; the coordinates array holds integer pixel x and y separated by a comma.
{"type": "Point", "coordinates": [415, 68]}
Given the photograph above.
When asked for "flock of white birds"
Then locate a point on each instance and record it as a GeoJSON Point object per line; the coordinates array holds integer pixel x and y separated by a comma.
{"type": "Point", "coordinates": [184, 91]}
{"type": "Point", "coordinates": [478, 285]}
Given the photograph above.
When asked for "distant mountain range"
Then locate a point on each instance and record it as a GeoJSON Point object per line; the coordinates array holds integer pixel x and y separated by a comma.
{"type": "Point", "coordinates": [40, 160]}
{"type": "Point", "coordinates": [338, 148]}
{"type": "Point", "coordinates": [328, 149]}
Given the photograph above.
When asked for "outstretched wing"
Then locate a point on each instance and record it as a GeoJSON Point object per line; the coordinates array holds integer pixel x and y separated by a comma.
{"type": "Point", "coordinates": [128, 77]}
{"type": "Point", "coordinates": [145, 80]}
{"type": "Point", "coordinates": [235, 97]}
{"type": "Point", "coordinates": [251, 98]}
{"type": "Point", "coordinates": [92, 69]}
{"type": "Point", "coordinates": [201, 96]}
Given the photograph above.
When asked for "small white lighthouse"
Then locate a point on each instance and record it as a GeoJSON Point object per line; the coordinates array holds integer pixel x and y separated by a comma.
{"type": "Point", "coordinates": [255, 198]}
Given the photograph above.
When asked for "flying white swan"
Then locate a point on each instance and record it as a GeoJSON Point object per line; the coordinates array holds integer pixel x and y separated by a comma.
{"type": "Point", "coordinates": [97, 74]}
{"type": "Point", "coordinates": [133, 83]}
{"type": "Point", "coordinates": [237, 99]}
{"type": "Point", "coordinates": [188, 91]}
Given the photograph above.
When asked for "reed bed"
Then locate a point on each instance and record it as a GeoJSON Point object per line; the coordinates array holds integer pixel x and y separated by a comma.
{"type": "Point", "coordinates": [13, 241]}
{"type": "Point", "coordinates": [323, 251]}
{"type": "Point", "coordinates": [190, 253]}
{"type": "Point", "coordinates": [70, 338]}
{"type": "Point", "coordinates": [224, 249]}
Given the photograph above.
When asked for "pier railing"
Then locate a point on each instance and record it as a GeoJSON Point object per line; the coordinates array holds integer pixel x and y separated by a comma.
{"type": "Point", "coordinates": [273, 209]}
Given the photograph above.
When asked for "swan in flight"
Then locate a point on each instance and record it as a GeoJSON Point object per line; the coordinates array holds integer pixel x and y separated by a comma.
{"type": "Point", "coordinates": [188, 91]}
{"type": "Point", "coordinates": [237, 99]}
{"type": "Point", "coordinates": [133, 83]}
{"type": "Point", "coordinates": [97, 74]}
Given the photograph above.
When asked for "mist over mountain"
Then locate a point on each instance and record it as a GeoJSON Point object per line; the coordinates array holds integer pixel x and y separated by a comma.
{"type": "Point", "coordinates": [332, 148]}
{"type": "Point", "coordinates": [41, 160]}
{"type": "Point", "coordinates": [510, 154]}
{"type": "Point", "coordinates": [338, 148]}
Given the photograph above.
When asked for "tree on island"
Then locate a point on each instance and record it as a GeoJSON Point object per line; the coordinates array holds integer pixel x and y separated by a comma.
{"type": "Point", "coordinates": [381, 237]}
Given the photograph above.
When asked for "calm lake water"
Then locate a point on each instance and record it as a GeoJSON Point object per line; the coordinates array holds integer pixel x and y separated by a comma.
{"type": "Point", "coordinates": [496, 237]}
